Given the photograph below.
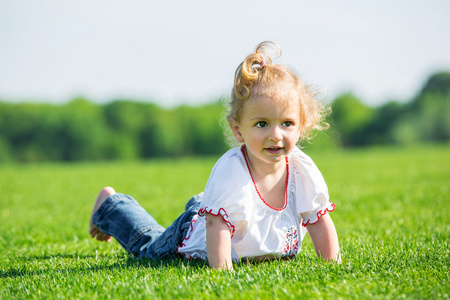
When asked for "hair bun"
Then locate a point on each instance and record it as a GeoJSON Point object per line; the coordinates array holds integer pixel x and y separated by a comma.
{"type": "Point", "coordinates": [249, 70]}
{"type": "Point", "coordinates": [268, 50]}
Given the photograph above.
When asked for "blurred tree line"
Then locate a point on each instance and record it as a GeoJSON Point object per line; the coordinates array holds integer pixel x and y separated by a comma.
{"type": "Point", "coordinates": [426, 118]}
{"type": "Point", "coordinates": [81, 130]}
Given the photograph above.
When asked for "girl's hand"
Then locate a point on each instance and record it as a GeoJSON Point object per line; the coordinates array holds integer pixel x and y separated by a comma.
{"type": "Point", "coordinates": [324, 237]}
{"type": "Point", "coordinates": [218, 243]}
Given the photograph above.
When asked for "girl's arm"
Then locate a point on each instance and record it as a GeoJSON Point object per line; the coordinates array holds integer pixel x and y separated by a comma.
{"type": "Point", "coordinates": [218, 242]}
{"type": "Point", "coordinates": [324, 237]}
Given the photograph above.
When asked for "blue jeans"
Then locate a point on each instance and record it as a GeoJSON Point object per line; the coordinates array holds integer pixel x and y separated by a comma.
{"type": "Point", "coordinates": [123, 218]}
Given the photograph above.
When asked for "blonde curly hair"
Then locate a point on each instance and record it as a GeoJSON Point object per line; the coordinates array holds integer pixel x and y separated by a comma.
{"type": "Point", "coordinates": [257, 76]}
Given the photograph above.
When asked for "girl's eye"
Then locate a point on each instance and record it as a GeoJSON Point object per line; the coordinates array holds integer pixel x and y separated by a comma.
{"type": "Point", "coordinates": [287, 124]}
{"type": "Point", "coordinates": [261, 124]}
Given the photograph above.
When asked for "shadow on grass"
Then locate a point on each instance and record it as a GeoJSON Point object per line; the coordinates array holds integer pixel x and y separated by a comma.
{"type": "Point", "coordinates": [93, 263]}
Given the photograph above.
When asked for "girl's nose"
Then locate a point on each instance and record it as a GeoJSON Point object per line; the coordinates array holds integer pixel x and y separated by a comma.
{"type": "Point", "coordinates": [275, 134]}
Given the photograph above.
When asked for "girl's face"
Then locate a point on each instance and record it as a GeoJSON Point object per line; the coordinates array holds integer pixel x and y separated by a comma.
{"type": "Point", "coordinates": [269, 128]}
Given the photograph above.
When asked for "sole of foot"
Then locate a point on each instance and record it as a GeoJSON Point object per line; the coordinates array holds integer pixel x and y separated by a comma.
{"type": "Point", "coordinates": [94, 231]}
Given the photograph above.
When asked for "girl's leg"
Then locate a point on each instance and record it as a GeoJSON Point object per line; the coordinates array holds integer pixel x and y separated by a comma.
{"type": "Point", "coordinates": [121, 217]}
{"type": "Point", "coordinates": [166, 246]}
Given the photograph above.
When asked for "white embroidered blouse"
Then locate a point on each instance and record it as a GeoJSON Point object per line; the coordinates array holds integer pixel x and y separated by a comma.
{"type": "Point", "coordinates": [258, 230]}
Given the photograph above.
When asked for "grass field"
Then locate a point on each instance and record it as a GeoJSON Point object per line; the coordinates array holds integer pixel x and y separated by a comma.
{"type": "Point", "coordinates": [391, 216]}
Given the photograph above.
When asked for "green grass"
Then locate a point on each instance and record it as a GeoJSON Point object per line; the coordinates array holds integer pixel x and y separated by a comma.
{"type": "Point", "coordinates": [391, 217]}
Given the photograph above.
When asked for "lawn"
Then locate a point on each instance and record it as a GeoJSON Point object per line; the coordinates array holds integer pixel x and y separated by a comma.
{"type": "Point", "coordinates": [391, 216]}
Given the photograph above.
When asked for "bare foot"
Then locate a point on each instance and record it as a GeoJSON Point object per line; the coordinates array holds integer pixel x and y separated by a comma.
{"type": "Point", "coordinates": [93, 230]}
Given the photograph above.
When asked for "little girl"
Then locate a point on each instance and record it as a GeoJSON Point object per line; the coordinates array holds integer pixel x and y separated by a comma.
{"type": "Point", "coordinates": [261, 198]}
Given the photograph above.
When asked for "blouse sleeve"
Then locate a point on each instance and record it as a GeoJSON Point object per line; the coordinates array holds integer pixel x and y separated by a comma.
{"type": "Point", "coordinates": [311, 192]}
{"type": "Point", "coordinates": [226, 191]}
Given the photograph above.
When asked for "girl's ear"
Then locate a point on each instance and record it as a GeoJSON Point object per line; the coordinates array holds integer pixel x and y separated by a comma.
{"type": "Point", "coordinates": [234, 125]}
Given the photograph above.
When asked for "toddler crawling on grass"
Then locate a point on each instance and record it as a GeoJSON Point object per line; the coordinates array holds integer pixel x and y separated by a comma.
{"type": "Point", "coordinates": [261, 197]}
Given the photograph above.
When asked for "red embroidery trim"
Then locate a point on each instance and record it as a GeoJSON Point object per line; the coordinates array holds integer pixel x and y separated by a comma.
{"type": "Point", "coordinates": [186, 238]}
{"type": "Point", "coordinates": [201, 213]}
{"type": "Point", "coordinates": [319, 214]}
{"type": "Point", "coordinates": [256, 188]}
{"type": "Point", "coordinates": [291, 246]}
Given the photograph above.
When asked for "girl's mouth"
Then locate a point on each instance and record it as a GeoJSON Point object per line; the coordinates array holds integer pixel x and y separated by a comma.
{"type": "Point", "coordinates": [274, 150]}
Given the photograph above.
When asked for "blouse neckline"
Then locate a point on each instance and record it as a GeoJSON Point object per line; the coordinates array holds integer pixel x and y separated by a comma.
{"type": "Point", "coordinates": [256, 188]}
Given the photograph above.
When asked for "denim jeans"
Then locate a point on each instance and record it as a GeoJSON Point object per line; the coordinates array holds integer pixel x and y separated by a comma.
{"type": "Point", "coordinates": [138, 232]}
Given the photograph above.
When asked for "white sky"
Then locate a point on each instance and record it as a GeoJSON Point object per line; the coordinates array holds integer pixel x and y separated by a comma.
{"type": "Point", "coordinates": [173, 52]}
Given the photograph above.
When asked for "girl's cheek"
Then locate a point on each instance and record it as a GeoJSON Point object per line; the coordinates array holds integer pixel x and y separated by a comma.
{"type": "Point", "coordinates": [292, 133]}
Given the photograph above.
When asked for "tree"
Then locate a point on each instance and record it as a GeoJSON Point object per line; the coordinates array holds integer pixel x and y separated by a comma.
{"type": "Point", "coordinates": [427, 116]}
{"type": "Point", "coordinates": [350, 117]}
{"type": "Point", "coordinates": [384, 120]}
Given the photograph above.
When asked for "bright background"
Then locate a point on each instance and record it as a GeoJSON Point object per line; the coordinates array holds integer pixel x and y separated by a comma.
{"type": "Point", "coordinates": [174, 52]}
